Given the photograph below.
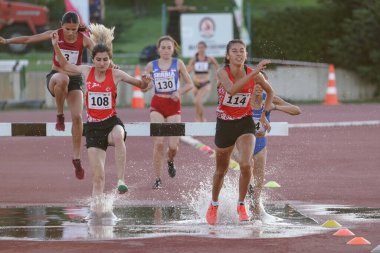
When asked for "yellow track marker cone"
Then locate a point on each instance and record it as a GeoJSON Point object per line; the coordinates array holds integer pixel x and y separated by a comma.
{"type": "Point", "coordinates": [331, 224]}
{"type": "Point", "coordinates": [272, 184]}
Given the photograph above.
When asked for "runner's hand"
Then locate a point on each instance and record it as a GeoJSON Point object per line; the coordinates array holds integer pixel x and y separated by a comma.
{"type": "Point", "coordinates": [54, 38]}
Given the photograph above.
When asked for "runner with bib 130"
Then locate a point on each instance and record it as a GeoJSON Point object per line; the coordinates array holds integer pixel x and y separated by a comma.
{"type": "Point", "coordinates": [166, 102]}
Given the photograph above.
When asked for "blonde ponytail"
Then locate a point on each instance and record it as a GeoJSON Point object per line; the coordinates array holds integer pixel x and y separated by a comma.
{"type": "Point", "coordinates": [102, 35]}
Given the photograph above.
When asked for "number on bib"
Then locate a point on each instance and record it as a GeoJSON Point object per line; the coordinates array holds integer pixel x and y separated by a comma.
{"type": "Point", "coordinates": [238, 100]}
{"type": "Point", "coordinates": [70, 55]}
{"type": "Point", "coordinates": [99, 100]}
{"type": "Point", "coordinates": [165, 84]}
{"type": "Point", "coordinates": [201, 66]}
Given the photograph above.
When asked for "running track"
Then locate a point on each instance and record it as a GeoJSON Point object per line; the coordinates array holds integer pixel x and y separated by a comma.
{"type": "Point", "coordinates": [335, 165]}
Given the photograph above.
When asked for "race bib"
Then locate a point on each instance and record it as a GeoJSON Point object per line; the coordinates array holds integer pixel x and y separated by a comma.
{"type": "Point", "coordinates": [201, 66]}
{"type": "Point", "coordinates": [70, 55]}
{"type": "Point", "coordinates": [258, 126]}
{"type": "Point", "coordinates": [165, 84]}
{"type": "Point", "coordinates": [237, 100]}
{"type": "Point", "coordinates": [99, 100]}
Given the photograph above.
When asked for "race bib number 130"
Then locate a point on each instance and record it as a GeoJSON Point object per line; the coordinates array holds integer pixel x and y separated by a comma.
{"type": "Point", "coordinates": [99, 100]}
{"type": "Point", "coordinates": [237, 100]}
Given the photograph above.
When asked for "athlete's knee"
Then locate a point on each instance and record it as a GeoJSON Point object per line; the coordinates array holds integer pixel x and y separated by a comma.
{"type": "Point", "coordinates": [159, 145]}
{"type": "Point", "coordinates": [77, 119]}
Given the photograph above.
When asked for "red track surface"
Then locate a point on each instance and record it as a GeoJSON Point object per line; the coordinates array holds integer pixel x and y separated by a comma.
{"type": "Point", "coordinates": [336, 165]}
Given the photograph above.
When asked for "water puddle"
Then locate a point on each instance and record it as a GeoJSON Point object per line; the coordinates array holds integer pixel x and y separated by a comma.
{"type": "Point", "coordinates": [79, 223]}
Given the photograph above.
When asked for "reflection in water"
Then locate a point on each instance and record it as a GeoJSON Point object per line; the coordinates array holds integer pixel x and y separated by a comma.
{"type": "Point", "coordinates": [82, 223]}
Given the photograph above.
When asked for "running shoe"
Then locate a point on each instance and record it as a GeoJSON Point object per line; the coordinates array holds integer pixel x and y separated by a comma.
{"type": "Point", "coordinates": [212, 214]}
{"type": "Point", "coordinates": [157, 184]}
{"type": "Point", "coordinates": [243, 216]}
{"type": "Point", "coordinates": [60, 124]}
{"type": "Point", "coordinates": [79, 171]}
{"type": "Point", "coordinates": [121, 187]}
{"type": "Point", "coordinates": [171, 169]}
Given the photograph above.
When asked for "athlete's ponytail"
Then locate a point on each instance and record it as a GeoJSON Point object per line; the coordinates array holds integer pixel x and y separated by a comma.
{"type": "Point", "coordinates": [102, 37]}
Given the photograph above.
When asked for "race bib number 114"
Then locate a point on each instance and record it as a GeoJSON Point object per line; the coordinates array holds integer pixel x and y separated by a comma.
{"type": "Point", "coordinates": [237, 100]}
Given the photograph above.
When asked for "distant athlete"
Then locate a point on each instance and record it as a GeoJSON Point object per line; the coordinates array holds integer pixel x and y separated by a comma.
{"type": "Point", "coordinates": [200, 64]}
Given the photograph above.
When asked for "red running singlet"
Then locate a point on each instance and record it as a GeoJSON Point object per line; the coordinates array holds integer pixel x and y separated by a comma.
{"type": "Point", "coordinates": [72, 51]}
{"type": "Point", "coordinates": [100, 97]}
{"type": "Point", "coordinates": [238, 105]}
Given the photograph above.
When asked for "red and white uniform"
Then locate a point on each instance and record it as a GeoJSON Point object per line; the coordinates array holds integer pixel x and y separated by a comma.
{"type": "Point", "coordinates": [72, 51]}
{"type": "Point", "coordinates": [236, 106]}
{"type": "Point", "coordinates": [100, 97]}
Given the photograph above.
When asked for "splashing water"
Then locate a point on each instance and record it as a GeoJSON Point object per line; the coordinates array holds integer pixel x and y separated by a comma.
{"type": "Point", "coordinates": [199, 200]}
{"type": "Point", "coordinates": [101, 207]}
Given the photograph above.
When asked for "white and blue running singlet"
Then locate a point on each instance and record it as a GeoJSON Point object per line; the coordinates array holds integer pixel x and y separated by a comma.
{"type": "Point", "coordinates": [165, 81]}
{"type": "Point", "coordinates": [261, 142]}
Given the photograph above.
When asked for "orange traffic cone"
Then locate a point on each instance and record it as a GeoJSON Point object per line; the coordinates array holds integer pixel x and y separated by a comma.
{"type": "Point", "coordinates": [331, 97]}
{"type": "Point", "coordinates": [138, 96]}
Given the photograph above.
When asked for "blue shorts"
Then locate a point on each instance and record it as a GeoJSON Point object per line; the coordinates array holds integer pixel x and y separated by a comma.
{"type": "Point", "coordinates": [261, 143]}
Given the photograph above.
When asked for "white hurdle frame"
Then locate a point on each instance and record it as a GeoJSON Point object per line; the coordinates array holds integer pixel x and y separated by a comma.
{"type": "Point", "coordinates": [133, 129]}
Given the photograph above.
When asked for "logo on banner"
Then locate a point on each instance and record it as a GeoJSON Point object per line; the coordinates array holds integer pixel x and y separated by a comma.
{"type": "Point", "coordinates": [207, 27]}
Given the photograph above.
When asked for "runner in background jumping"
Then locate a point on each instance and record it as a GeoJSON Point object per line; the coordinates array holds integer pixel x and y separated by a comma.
{"type": "Point", "coordinates": [103, 127]}
{"type": "Point", "coordinates": [65, 85]}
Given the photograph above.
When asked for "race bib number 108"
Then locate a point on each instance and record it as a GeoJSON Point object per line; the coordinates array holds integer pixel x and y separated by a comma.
{"type": "Point", "coordinates": [99, 100]}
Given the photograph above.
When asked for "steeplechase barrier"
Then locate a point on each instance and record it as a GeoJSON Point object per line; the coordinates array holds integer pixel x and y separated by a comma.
{"type": "Point", "coordinates": [133, 129]}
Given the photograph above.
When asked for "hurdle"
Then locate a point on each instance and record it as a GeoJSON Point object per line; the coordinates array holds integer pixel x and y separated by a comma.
{"type": "Point", "coordinates": [133, 129]}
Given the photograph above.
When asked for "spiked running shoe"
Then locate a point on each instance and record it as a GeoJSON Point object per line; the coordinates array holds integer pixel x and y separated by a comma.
{"type": "Point", "coordinates": [171, 169]}
{"type": "Point", "coordinates": [212, 214]}
{"type": "Point", "coordinates": [79, 171]}
{"type": "Point", "coordinates": [243, 216]}
{"type": "Point", "coordinates": [60, 124]}
{"type": "Point", "coordinates": [157, 184]}
{"type": "Point", "coordinates": [122, 187]}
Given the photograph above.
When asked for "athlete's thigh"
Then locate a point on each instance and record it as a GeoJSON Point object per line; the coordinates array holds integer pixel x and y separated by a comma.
{"type": "Point", "coordinates": [58, 78]}
{"type": "Point", "coordinates": [117, 132]}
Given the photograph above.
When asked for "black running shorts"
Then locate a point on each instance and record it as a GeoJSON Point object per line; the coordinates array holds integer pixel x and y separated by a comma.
{"type": "Point", "coordinates": [75, 82]}
{"type": "Point", "coordinates": [227, 131]}
{"type": "Point", "coordinates": [97, 132]}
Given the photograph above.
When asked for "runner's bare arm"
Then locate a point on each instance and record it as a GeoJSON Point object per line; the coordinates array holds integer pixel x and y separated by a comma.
{"type": "Point", "coordinates": [239, 84]}
{"type": "Point", "coordinates": [283, 106]}
{"type": "Point", "coordinates": [27, 39]}
{"type": "Point", "coordinates": [120, 75]}
{"type": "Point", "coordinates": [190, 65]}
{"type": "Point", "coordinates": [186, 77]}
{"type": "Point", "coordinates": [259, 79]}
{"type": "Point", "coordinates": [148, 71]}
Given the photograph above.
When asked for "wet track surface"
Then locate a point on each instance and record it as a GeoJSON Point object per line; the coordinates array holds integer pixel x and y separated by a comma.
{"type": "Point", "coordinates": [78, 223]}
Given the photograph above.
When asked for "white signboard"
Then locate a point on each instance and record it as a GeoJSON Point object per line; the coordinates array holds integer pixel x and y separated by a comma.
{"type": "Point", "coordinates": [216, 29]}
